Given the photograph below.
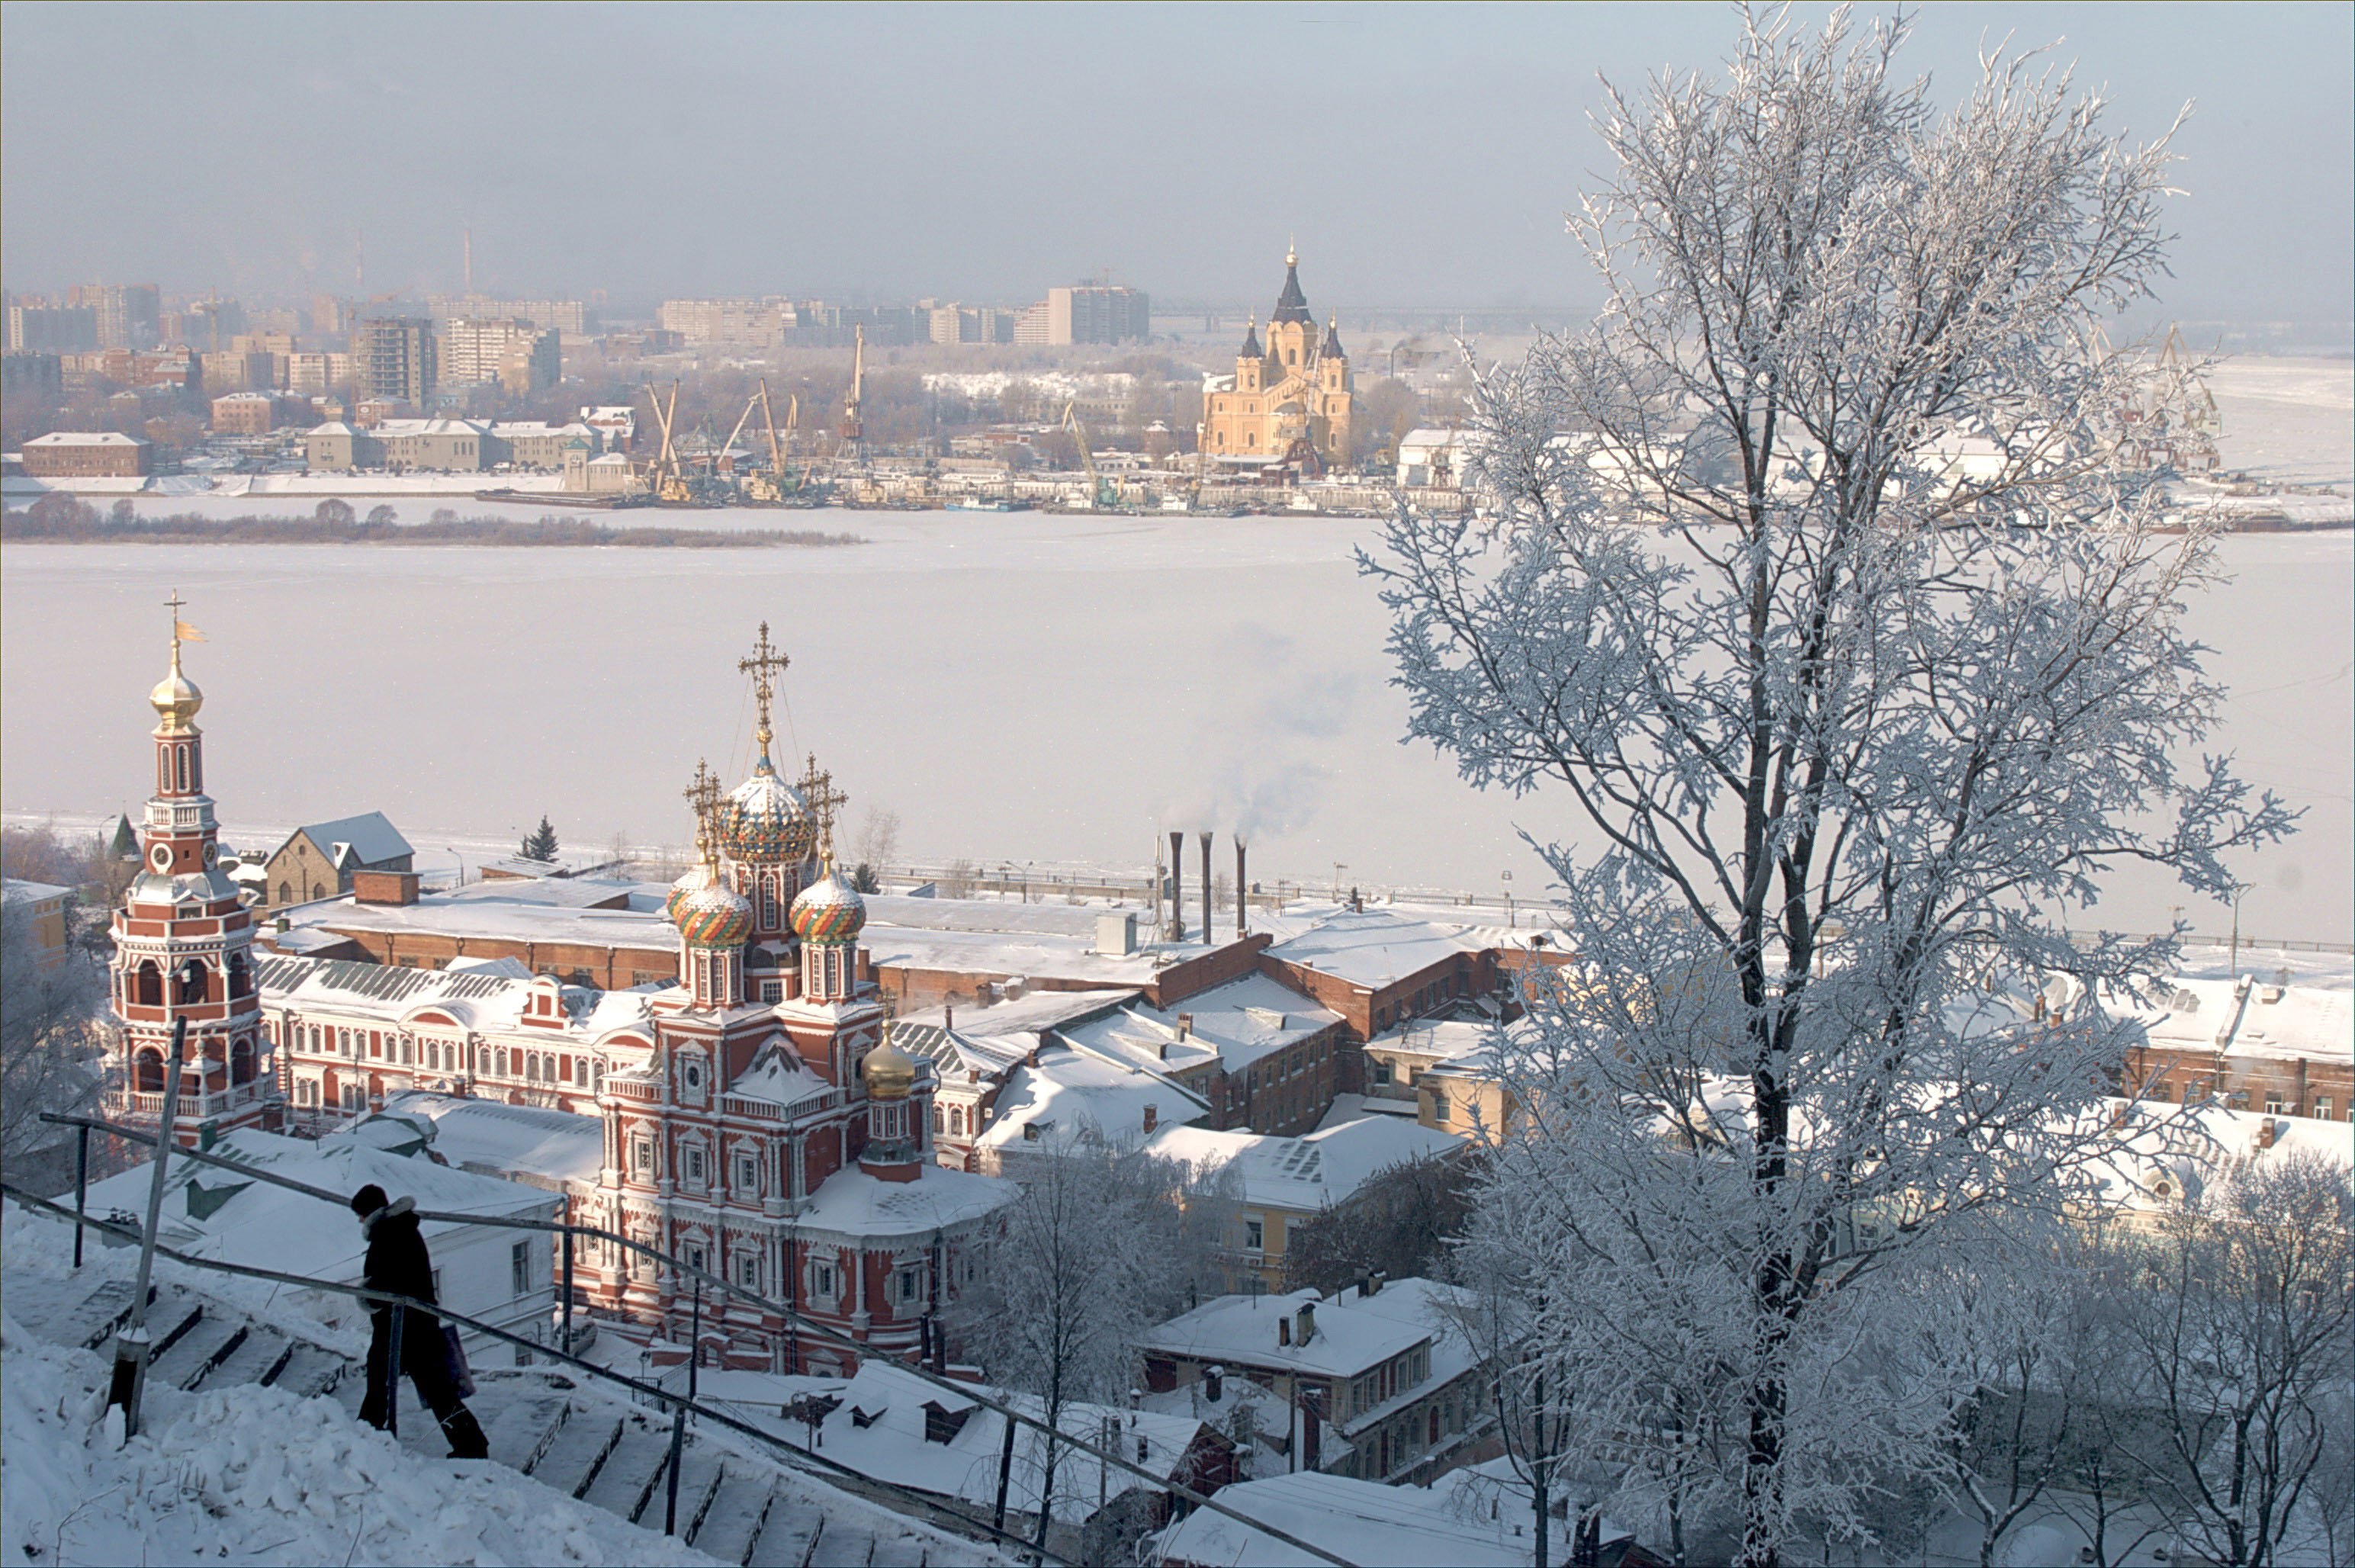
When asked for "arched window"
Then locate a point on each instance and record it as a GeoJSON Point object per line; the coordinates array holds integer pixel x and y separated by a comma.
{"type": "Point", "coordinates": [956, 1122]}
{"type": "Point", "coordinates": [286, 892]}
{"type": "Point", "coordinates": [147, 985]}
{"type": "Point", "coordinates": [240, 1062]}
{"type": "Point", "coordinates": [240, 978]}
{"type": "Point", "coordinates": [183, 751]}
{"type": "Point", "coordinates": [936, 1121]}
{"type": "Point", "coordinates": [149, 1071]}
{"type": "Point", "coordinates": [190, 985]}
{"type": "Point", "coordinates": [319, 891]}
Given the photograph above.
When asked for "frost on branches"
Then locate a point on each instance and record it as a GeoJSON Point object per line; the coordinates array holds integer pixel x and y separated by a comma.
{"type": "Point", "coordinates": [1811, 575]}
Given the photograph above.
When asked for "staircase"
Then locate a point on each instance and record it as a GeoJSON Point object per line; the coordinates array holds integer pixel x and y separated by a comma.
{"type": "Point", "coordinates": [585, 1444]}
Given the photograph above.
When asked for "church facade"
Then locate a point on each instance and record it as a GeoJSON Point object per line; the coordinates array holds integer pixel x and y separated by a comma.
{"type": "Point", "coordinates": [1290, 397]}
{"type": "Point", "coordinates": [756, 1121]}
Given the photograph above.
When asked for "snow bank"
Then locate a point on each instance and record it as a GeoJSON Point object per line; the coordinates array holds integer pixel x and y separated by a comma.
{"type": "Point", "coordinates": [249, 1474]}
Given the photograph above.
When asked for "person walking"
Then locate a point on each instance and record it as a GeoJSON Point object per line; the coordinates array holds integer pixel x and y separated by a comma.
{"type": "Point", "coordinates": [398, 1262]}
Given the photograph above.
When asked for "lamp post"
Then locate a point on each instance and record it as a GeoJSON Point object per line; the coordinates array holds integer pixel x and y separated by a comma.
{"type": "Point", "coordinates": [131, 1344]}
{"type": "Point", "coordinates": [1512, 922]}
{"type": "Point", "coordinates": [2240, 890]}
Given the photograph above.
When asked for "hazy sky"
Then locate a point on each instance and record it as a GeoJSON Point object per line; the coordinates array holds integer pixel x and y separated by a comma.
{"type": "Point", "coordinates": [1421, 155]}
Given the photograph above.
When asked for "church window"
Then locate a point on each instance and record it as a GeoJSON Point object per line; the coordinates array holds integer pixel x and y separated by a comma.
{"type": "Point", "coordinates": [956, 1122]}
{"type": "Point", "coordinates": [150, 1071]}
{"type": "Point", "coordinates": [908, 1284]}
{"type": "Point", "coordinates": [748, 1272]}
{"type": "Point", "coordinates": [1291, 356]}
{"type": "Point", "coordinates": [147, 981]}
{"type": "Point", "coordinates": [694, 1164]}
{"type": "Point", "coordinates": [748, 1174]}
{"type": "Point", "coordinates": [821, 1279]}
{"type": "Point", "coordinates": [183, 751]}
{"type": "Point", "coordinates": [286, 892]}
{"type": "Point", "coordinates": [188, 986]}
{"type": "Point", "coordinates": [642, 1156]}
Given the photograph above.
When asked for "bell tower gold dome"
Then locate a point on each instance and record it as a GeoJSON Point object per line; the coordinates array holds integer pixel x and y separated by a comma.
{"type": "Point", "coordinates": [175, 698]}
{"type": "Point", "coordinates": [889, 1072]}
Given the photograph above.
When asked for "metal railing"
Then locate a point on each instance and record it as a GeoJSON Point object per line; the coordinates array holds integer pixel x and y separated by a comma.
{"type": "Point", "coordinates": [796, 1322]}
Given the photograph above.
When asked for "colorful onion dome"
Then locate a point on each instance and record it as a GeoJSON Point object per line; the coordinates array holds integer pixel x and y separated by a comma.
{"type": "Point", "coordinates": [764, 820]}
{"type": "Point", "coordinates": [697, 878]}
{"type": "Point", "coordinates": [888, 1073]}
{"type": "Point", "coordinates": [829, 909]}
{"type": "Point", "coordinates": [713, 916]}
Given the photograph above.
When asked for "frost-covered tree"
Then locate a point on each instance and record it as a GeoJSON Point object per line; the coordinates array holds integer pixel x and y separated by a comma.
{"type": "Point", "coordinates": [2240, 1311]}
{"type": "Point", "coordinates": [1810, 580]}
{"type": "Point", "coordinates": [540, 844]}
{"type": "Point", "coordinates": [1103, 1243]}
{"type": "Point", "coordinates": [49, 1037]}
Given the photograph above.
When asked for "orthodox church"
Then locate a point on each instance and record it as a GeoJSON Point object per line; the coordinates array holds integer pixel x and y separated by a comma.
{"type": "Point", "coordinates": [757, 1122]}
{"type": "Point", "coordinates": [1289, 400]}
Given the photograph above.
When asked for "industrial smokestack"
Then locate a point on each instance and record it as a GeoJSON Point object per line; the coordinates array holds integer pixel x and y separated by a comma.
{"type": "Point", "coordinates": [1177, 885]}
{"type": "Point", "coordinates": [1243, 894]}
{"type": "Point", "coordinates": [1205, 837]}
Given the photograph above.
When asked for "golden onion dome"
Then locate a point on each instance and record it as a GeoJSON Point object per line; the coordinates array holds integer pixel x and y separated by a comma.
{"type": "Point", "coordinates": [175, 698]}
{"type": "Point", "coordinates": [888, 1073]}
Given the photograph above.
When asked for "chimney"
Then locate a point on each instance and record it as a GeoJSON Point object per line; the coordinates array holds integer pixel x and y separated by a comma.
{"type": "Point", "coordinates": [1283, 1333]}
{"type": "Point", "coordinates": [1242, 893]}
{"type": "Point", "coordinates": [1152, 1116]}
{"type": "Point", "coordinates": [1185, 1026]}
{"type": "Point", "coordinates": [1307, 1321]}
{"type": "Point", "coordinates": [1205, 837]}
{"type": "Point", "coordinates": [1374, 1282]}
{"type": "Point", "coordinates": [2265, 1133]}
{"type": "Point", "coordinates": [1312, 1422]}
{"type": "Point", "coordinates": [1177, 885]}
{"type": "Point", "coordinates": [1214, 1382]}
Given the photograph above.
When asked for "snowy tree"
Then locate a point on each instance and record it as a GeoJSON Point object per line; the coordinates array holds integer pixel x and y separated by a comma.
{"type": "Point", "coordinates": [1103, 1243]}
{"type": "Point", "coordinates": [540, 844]}
{"type": "Point", "coordinates": [2238, 1311]}
{"type": "Point", "coordinates": [1809, 577]}
{"type": "Point", "coordinates": [49, 1036]}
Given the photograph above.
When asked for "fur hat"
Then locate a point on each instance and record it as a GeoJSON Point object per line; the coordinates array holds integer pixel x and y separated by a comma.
{"type": "Point", "coordinates": [368, 1200]}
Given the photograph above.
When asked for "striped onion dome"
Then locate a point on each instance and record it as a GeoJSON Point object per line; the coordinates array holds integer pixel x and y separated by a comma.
{"type": "Point", "coordinates": [697, 877]}
{"type": "Point", "coordinates": [713, 916]}
{"type": "Point", "coordinates": [829, 909]}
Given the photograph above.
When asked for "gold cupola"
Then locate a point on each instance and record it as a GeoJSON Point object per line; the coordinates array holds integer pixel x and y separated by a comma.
{"type": "Point", "coordinates": [175, 698]}
{"type": "Point", "coordinates": [888, 1071]}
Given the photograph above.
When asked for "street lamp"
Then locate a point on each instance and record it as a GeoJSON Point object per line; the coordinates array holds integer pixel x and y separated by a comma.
{"type": "Point", "coordinates": [131, 1344]}
{"type": "Point", "coordinates": [1512, 921]}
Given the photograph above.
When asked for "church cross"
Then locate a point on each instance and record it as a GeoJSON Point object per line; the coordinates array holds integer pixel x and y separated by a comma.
{"type": "Point", "coordinates": [763, 666]}
{"type": "Point", "coordinates": [703, 797]}
{"type": "Point", "coordinates": [824, 799]}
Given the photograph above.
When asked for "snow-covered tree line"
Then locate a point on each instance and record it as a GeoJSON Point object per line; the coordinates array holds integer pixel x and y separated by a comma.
{"type": "Point", "coordinates": [1810, 579]}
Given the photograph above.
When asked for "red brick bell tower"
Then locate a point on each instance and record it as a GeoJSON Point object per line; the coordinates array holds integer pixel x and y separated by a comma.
{"type": "Point", "coordinates": [184, 945]}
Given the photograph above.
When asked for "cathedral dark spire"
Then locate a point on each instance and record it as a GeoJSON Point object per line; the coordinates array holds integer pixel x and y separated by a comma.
{"type": "Point", "coordinates": [1291, 304]}
{"type": "Point", "coordinates": [1250, 349]}
{"type": "Point", "coordinates": [1332, 346]}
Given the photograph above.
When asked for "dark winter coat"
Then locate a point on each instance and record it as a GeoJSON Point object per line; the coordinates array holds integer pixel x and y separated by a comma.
{"type": "Point", "coordinates": [397, 1261]}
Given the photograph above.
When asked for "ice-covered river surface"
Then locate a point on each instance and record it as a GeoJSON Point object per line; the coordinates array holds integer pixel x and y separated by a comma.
{"type": "Point", "coordinates": [1016, 688]}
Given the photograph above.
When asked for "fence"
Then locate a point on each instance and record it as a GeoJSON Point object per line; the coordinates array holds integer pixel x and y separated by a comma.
{"type": "Point", "coordinates": [921, 1504]}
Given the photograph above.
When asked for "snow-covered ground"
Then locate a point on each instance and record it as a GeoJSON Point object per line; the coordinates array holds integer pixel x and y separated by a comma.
{"type": "Point", "coordinates": [2287, 420]}
{"type": "Point", "coordinates": [246, 1473]}
{"type": "Point", "coordinates": [1017, 687]}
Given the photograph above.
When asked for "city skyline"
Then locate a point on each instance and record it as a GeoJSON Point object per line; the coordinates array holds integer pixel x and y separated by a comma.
{"type": "Point", "coordinates": [1147, 143]}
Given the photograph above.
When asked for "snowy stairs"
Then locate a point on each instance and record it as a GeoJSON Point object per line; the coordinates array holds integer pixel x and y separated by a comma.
{"type": "Point", "coordinates": [734, 1509]}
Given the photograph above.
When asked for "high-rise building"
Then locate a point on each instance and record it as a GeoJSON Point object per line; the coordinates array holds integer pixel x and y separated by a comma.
{"type": "Point", "coordinates": [561, 315]}
{"type": "Point", "coordinates": [130, 315]}
{"type": "Point", "coordinates": [1098, 314]}
{"type": "Point", "coordinates": [51, 329]}
{"type": "Point", "coordinates": [520, 357]}
{"type": "Point", "coordinates": [396, 357]}
{"type": "Point", "coordinates": [727, 323]}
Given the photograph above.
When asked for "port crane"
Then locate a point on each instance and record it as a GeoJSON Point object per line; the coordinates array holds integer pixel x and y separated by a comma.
{"type": "Point", "coordinates": [1103, 495]}
{"type": "Point", "coordinates": [854, 430]}
{"type": "Point", "coordinates": [774, 485]}
{"type": "Point", "coordinates": [669, 484]}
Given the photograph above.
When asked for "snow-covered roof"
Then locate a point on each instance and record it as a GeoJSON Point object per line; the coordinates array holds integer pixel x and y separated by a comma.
{"type": "Point", "coordinates": [2249, 1017]}
{"type": "Point", "coordinates": [853, 1203]}
{"type": "Point", "coordinates": [879, 1430]}
{"type": "Point", "coordinates": [1071, 1092]}
{"type": "Point", "coordinates": [553, 909]}
{"type": "Point", "coordinates": [1237, 1022]}
{"type": "Point", "coordinates": [777, 1076]}
{"type": "Point", "coordinates": [1233, 1330]}
{"type": "Point", "coordinates": [265, 1226]}
{"type": "Point", "coordinates": [1310, 1172]}
{"type": "Point", "coordinates": [84, 438]}
{"type": "Point", "coordinates": [16, 888]}
{"type": "Point", "coordinates": [484, 1136]}
{"type": "Point", "coordinates": [372, 837]}
{"type": "Point", "coordinates": [2161, 1152]}
{"type": "Point", "coordinates": [482, 1001]}
{"type": "Point", "coordinates": [1373, 948]}
{"type": "Point", "coordinates": [1363, 1522]}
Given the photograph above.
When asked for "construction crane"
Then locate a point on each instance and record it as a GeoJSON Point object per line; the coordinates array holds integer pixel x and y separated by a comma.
{"type": "Point", "coordinates": [1103, 495]}
{"type": "Point", "coordinates": [771, 487]}
{"type": "Point", "coordinates": [854, 433]}
{"type": "Point", "coordinates": [669, 484]}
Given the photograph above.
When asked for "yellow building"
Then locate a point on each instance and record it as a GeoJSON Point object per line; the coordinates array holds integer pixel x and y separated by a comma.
{"type": "Point", "coordinates": [1295, 388]}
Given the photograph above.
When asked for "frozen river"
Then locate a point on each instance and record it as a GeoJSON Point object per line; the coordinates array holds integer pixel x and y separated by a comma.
{"type": "Point", "coordinates": [1016, 688]}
